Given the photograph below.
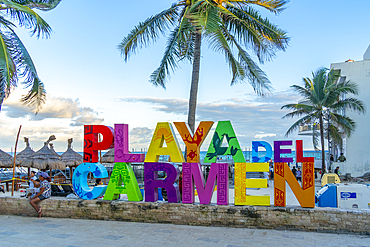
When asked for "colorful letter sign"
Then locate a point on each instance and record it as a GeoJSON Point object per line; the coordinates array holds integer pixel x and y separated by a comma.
{"type": "Point", "coordinates": [164, 133]}
{"type": "Point", "coordinates": [121, 146]}
{"type": "Point", "coordinates": [305, 194]}
{"type": "Point", "coordinates": [268, 148]}
{"type": "Point", "coordinates": [223, 130]}
{"type": "Point", "coordinates": [122, 172]}
{"type": "Point", "coordinates": [192, 171]}
{"type": "Point", "coordinates": [241, 184]}
{"type": "Point", "coordinates": [79, 180]}
{"type": "Point", "coordinates": [91, 144]}
{"type": "Point", "coordinates": [193, 142]}
{"type": "Point", "coordinates": [164, 142]}
{"type": "Point", "coordinates": [152, 183]}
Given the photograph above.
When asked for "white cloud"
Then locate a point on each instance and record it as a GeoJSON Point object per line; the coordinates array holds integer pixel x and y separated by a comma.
{"type": "Point", "coordinates": [261, 136]}
{"type": "Point", "coordinates": [55, 107]}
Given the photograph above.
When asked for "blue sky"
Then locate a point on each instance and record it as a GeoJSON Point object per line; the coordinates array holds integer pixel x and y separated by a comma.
{"type": "Point", "coordinates": [88, 82]}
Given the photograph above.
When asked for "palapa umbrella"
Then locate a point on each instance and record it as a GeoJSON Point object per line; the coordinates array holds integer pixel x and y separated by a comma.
{"type": "Point", "coordinates": [70, 157]}
{"type": "Point", "coordinates": [45, 159]}
{"type": "Point", "coordinates": [6, 160]}
{"type": "Point", "coordinates": [25, 153]}
{"type": "Point", "coordinates": [52, 149]}
{"type": "Point", "coordinates": [108, 157]}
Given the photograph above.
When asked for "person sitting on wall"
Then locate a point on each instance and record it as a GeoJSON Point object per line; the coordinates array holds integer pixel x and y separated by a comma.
{"type": "Point", "coordinates": [44, 193]}
{"type": "Point", "coordinates": [341, 158]}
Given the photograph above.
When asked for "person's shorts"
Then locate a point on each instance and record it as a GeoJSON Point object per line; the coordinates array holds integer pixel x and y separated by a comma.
{"type": "Point", "coordinates": [42, 197]}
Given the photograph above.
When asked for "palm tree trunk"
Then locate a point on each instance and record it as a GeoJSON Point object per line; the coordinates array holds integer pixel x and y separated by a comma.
{"type": "Point", "coordinates": [194, 82]}
{"type": "Point", "coordinates": [323, 167]}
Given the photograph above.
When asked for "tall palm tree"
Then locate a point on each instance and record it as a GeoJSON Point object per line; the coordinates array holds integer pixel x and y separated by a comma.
{"type": "Point", "coordinates": [323, 100]}
{"type": "Point", "coordinates": [15, 61]}
{"type": "Point", "coordinates": [229, 26]}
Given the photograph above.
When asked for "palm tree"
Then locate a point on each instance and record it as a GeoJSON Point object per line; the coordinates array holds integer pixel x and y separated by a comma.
{"type": "Point", "coordinates": [323, 100]}
{"type": "Point", "coordinates": [15, 61]}
{"type": "Point", "coordinates": [228, 26]}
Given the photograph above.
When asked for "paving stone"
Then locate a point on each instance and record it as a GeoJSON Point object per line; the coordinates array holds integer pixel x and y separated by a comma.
{"type": "Point", "coordinates": [112, 237]}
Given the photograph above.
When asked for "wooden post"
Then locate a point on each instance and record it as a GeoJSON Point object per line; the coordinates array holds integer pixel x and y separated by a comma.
{"type": "Point", "coordinates": [15, 155]}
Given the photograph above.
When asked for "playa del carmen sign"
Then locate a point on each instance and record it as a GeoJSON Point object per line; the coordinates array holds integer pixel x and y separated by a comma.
{"type": "Point", "coordinates": [123, 180]}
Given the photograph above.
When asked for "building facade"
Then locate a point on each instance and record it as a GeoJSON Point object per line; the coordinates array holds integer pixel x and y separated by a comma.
{"type": "Point", "coordinates": [356, 148]}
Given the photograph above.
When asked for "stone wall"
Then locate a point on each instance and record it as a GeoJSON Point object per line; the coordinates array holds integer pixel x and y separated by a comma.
{"type": "Point", "coordinates": [289, 218]}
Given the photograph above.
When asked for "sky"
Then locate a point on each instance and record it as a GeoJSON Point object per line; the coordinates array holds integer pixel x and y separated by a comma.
{"type": "Point", "coordinates": [88, 82]}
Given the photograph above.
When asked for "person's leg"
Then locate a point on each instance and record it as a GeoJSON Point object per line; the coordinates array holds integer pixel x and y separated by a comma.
{"type": "Point", "coordinates": [34, 204]}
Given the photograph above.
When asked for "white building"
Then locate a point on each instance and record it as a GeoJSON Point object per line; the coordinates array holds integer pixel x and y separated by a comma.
{"type": "Point", "coordinates": [357, 147]}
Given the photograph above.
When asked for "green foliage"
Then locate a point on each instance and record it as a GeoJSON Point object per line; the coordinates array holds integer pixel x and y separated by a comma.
{"type": "Point", "coordinates": [325, 97]}
{"type": "Point", "coordinates": [230, 27]}
{"type": "Point", "coordinates": [15, 61]}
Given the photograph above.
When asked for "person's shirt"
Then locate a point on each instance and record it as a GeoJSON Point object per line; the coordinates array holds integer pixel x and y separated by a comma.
{"type": "Point", "coordinates": [299, 174]}
{"type": "Point", "coordinates": [47, 191]}
{"type": "Point", "coordinates": [342, 158]}
{"type": "Point", "coordinates": [31, 183]}
{"type": "Point", "coordinates": [294, 171]}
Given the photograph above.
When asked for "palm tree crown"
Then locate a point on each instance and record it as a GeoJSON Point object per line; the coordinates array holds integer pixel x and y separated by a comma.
{"type": "Point", "coordinates": [15, 61]}
{"type": "Point", "coordinates": [228, 26]}
{"type": "Point", "coordinates": [325, 97]}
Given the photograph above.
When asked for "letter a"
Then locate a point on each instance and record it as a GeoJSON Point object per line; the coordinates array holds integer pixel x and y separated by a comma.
{"type": "Point", "coordinates": [122, 172]}
{"type": "Point", "coordinates": [164, 133]}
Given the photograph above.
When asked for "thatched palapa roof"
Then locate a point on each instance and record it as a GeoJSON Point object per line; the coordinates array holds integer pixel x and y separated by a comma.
{"type": "Point", "coordinates": [25, 153]}
{"type": "Point", "coordinates": [6, 160]}
{"type": "Point", "coordinates": [70, 157]}
{"type": "Point", "coordinates": [52, 149]}
{"type": "Point", "coordinates": [108, 157]}
{"type": "Point", "coordinates": [45, 159]}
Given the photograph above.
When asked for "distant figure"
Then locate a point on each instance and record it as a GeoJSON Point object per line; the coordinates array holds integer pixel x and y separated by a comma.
{"type": "Point", "coordinates": [31, 179]}
{"type": "Point", "coordinates": [331, 161]}
{"type": "Point", "coordinates": [180, 185]}
{"type": "Point", "coordinates": [299, 175]}
{"type": "Point", "coordinates": [207, 171]}
{"type": "Point", "coordinates": [336, 171]}
{"type": "Point", "coordinates": [331, 157]}
{"type": "Point", "coordinates": [341, 158]}
{"type": "Point", "coordinates": [294, 171]}
{"type": "Point", "coordinates": [271, 164]}
{"type": "Point", "coordinates": [98, 182]}
{"type": "Point", "coordinates": [1, 188]}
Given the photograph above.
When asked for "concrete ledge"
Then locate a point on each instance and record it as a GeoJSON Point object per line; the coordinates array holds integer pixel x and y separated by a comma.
{"type": "Point", "coordinates": [289, 218]}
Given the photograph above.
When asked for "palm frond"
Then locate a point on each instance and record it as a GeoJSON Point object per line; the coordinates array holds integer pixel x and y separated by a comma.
{"type": "Point", "coordinates": [27, 70]}
{"type": "Point", "coordinates": [299, 122]}
{"type": "Point", "coordinates": [168, 62]}
{"type": "Point", "coordinates": [218, 42]}
{"type": "Point", "coordinates": [28, 18]}
{"type": "Point", "coordinates": [249, 27]}
{"type": "Point", "coordinates": [275, 6]}
{"type": "Point", "coordinates": [351, 104]}
{"type": "Point", "coordinates": [147, 32]}
{"type": "Point", "coordinates": [8, 69]}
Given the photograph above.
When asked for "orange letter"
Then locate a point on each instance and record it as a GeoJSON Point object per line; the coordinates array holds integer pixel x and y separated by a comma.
{"type": "Point", "coordinates": [193, 142]}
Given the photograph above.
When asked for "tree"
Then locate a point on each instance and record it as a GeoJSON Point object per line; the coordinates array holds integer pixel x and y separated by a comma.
{"type": "Point", "coordinates": [323, 100]}
{"type": "Point", "coordinates": [15, 61]}
{"type": "Point", "coordinates": [229, 26]}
